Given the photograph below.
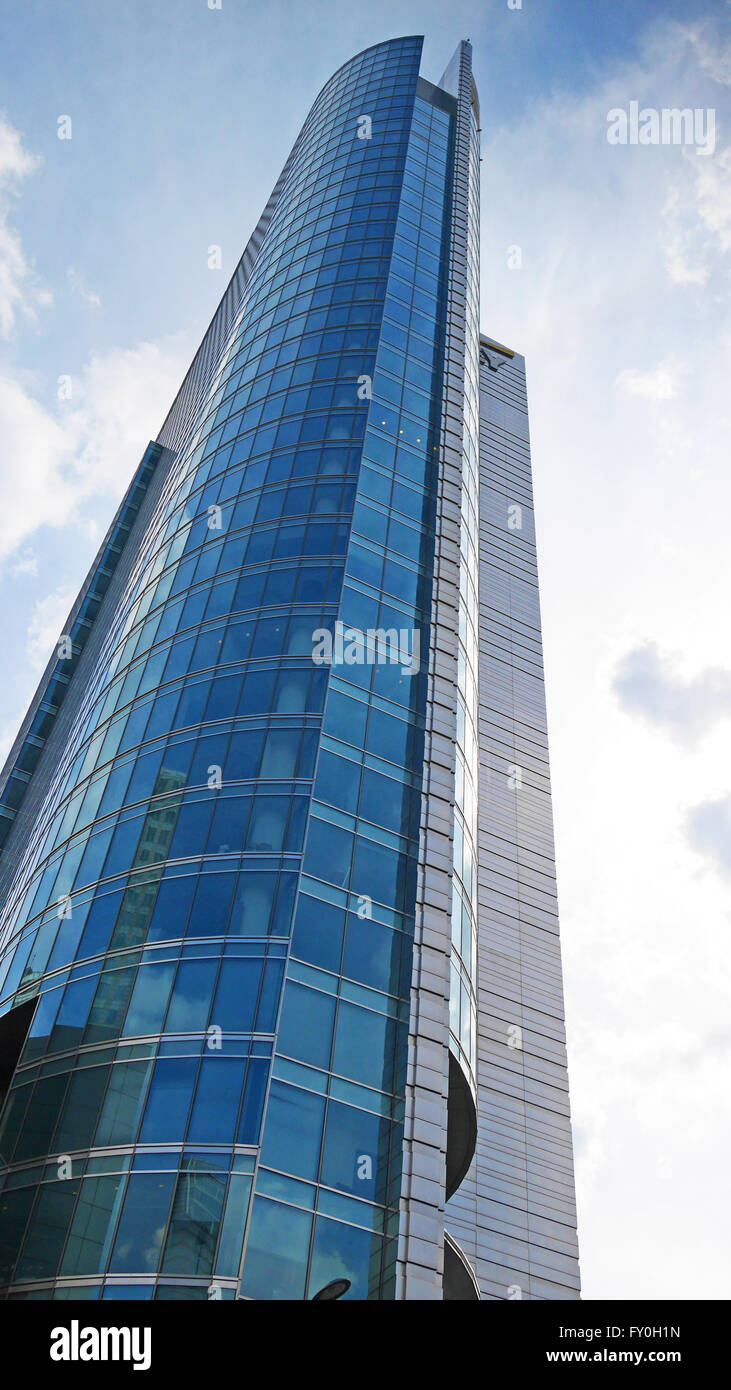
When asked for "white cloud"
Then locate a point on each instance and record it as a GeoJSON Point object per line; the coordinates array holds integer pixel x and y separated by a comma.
{"type": "Point", "coordinates": [37, 454]}
{"type": "Point", "coordinates": [46, 626]}
{"type": "Point", "coordinates": [19, 289]}
{"type": "Point", "coordinates": [77, 284]}
{"type": "Point", "coordinates": [697, 220]}
{"type": "Point", "coordinates": [658, 384]}
{"type": "Point", "coordinates": [54, 462]}
{"type": "Point", "coordinates": [712, 49]}
{"type": "Point", "coordinates": [714, 196]}
{"type": "Point", "coordinates": [697, 216]}
{"type": "Point", "coordinates": [647, 682]}
{"type": "Point", "coordinates": [57, 461]}
{"type": "Point", "coordinates": [681, 251]}
{"type": "Point", "coordinates": [24, 563]}
{"type": "Point", "coordinates": [708, 828]}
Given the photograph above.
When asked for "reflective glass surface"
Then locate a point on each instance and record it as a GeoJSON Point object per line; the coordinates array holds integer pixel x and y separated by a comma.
{"type": "Point", "coordinates": [215, 908]}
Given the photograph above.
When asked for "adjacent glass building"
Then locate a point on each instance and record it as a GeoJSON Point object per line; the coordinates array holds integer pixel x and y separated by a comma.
{"type": "Point", "coordinates": [280, 987]}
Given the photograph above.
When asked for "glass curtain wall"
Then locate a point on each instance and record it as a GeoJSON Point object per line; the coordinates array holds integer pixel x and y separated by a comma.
{"type": "Point", "coordinates": [152, 910]}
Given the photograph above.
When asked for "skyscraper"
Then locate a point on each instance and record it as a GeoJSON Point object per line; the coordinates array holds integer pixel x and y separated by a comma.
{"type": "Point", "coordinates": [280, 987]}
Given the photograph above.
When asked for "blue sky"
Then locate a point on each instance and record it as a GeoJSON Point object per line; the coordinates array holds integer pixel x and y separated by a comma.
{"type": "Point", "coordinates": [181, 120]}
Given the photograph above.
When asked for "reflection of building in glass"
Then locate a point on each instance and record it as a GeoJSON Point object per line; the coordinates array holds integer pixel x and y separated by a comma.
{"type": "Point", "coordinates": [279, 975]}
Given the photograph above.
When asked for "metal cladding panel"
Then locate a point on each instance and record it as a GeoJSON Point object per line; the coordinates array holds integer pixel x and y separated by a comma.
{"type": "Point", "coordinates": [515, 1214]}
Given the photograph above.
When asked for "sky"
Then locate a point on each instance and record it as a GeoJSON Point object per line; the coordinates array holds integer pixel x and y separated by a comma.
{"type": "Point", "coordinates": [181, 117]}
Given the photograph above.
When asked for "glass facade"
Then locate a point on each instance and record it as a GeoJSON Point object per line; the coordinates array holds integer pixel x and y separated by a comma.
{"type": "Point", "coordinates": [154, 908]}
{"type": "Point", "coordinates": [210, 892]}
{"type": "Point", "coordinates": [340, 1062]}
